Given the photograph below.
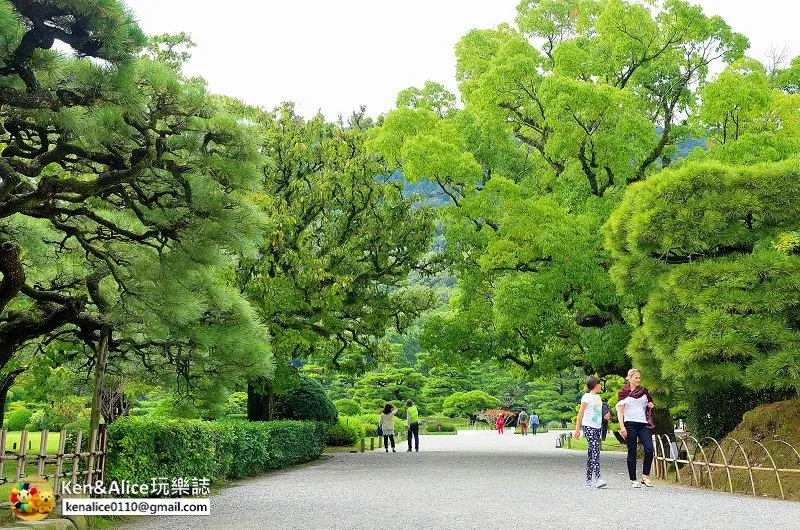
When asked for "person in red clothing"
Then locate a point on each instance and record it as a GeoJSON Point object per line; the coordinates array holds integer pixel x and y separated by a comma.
{"type": "Point", "coordinates": [501, 421]}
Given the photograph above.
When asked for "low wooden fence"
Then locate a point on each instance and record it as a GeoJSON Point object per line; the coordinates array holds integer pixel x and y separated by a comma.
{"type": "Point", "coordinates": [762, 467]}
{"type": "Point", "coordinates": [79, 466]}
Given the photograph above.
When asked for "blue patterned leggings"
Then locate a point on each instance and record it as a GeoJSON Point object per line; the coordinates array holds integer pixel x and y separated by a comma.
{"type": "Point", "coordinates": [592, 436]}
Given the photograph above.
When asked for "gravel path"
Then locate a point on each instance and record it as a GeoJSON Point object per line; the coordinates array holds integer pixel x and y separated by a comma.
{"type": "Point", "coordinates": [454, 483]}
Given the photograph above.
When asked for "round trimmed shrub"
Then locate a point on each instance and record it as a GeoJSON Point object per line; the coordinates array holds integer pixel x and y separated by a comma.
{"type": "Point", "coordinates": [18, 419]}
{"type": "Point", "coordinates": [347, 407]}
{"type": "Point", "coordinates": [342, 434]}
{"type": "Point", "coordinates": [308, 401]}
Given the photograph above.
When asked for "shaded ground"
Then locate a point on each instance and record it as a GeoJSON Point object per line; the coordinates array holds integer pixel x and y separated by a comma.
{"type": "Point", "coordinates": [464, 482]}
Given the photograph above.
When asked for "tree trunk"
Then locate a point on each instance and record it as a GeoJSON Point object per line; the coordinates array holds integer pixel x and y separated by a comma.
{"type": "Point", "coordinates": [99, 377]}
{"type": "Point", "coordinates": [664, 422]}
{"type": "Point", "coordinates": [260, 400]}
{"type": "Point", "coordinates": [6, 382]}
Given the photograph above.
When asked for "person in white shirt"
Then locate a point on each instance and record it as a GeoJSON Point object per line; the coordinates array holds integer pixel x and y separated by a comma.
{"type": "Point", "coordinates": [636, 424]}
{"type": "Point", "coordinates": [590, 419]}
{"type": "Point", "coordinates": [387, 425]}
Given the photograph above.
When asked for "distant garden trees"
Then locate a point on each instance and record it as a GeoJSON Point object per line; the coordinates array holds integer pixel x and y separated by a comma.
{"type": "Point", "coordinates": [468, 403]}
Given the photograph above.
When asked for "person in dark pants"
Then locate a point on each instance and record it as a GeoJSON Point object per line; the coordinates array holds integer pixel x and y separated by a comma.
{"type": "Point", "coordinates": [412, 417]}
{"type": "Point", "coordinates": [636, 425]}
{"type": "Point", "coordinates": [387, 425]}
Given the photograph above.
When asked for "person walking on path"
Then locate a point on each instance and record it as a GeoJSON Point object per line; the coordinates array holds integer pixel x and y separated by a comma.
{"type": "Point", "coordinates": [634, 411]}
{"type": "Point", "coordinates": [590, 421]}
{"type": "Point", "coordinates": [412, 417]}
{"type": "Point", "coordinates": [387, 425]}
{"type": "Point", "coordinates": [500, 423]}
{"type": "Point", "coordinates": [534, 422]}
{"type": "Point", "coordinates": [523, 422]}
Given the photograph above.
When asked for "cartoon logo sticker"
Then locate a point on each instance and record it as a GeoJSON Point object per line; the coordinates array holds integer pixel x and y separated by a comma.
{"type": "Point", "coordinates": [32, 499]}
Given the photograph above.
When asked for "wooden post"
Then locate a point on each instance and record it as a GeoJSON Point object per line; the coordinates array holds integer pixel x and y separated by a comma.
{"type": "Point", "coordinates": [102, 446]}
{"type": "Point", "coordinates": [42, 451]}
{"type": "Point", "coordinates": [62, 440]}
{"type": "Point", "coordinates": [23, 447]}
{"type": "Point", "coordinates": [92, 449]}
{"type": "Point", "coordinates": [363, 442]}
{"type": "Point", "coordinates": [76, 459]}
{"type": "Point", "coordinates": [371, 443]}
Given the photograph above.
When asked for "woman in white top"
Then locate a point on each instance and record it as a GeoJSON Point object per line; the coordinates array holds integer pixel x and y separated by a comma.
{"type": "Point", "coordinates": [636, 424]}
{"type": "Point", "coordinates": [387, 425]}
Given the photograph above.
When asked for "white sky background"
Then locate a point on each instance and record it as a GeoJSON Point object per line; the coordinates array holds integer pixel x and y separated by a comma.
{"type": "Point", "coordinates": [334, 56]}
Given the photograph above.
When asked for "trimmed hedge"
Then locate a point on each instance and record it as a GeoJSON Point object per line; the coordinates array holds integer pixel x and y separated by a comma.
{"type": "Point", "coordinates": [141, 448]}
{"type": "Point", "coordinates": [440, 427]}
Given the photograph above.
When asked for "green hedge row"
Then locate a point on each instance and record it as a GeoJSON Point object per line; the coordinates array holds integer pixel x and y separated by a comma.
{"type": "Point", "coordinates": [142, 448]}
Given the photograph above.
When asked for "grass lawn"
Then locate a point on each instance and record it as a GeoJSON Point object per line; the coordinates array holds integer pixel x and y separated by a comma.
{"type": "Point", "coordinates": [34, 438]}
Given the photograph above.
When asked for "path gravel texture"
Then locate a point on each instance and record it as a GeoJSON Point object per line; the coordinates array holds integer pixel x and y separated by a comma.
{"type": "Point", "coordinates": [481, 480]}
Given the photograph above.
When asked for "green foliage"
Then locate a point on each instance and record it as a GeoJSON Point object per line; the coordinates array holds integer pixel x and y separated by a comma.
{"type": "Point", "coordinates": [441, 383]}
{"type": "Point", "coordinates": [307, 401]}
{"type": "Point", "coordinates": [141, 448]}
{"type": "Point", "coordinates": [236, 404]}
{"type": "Point", "coordinates": [392, 385]}
{"type": "Point", "coordinates": [330, 276]}
{"type": "Point", "coordinates": [560, 113]}
{"type": "Point", "coordinates": [557, 400]}
{"type": "Point", "coordinates": [72, 434]}
{"type": "Point", "coordinates": [347, 407]}
{"type": "Point", "coordinates": [737, 101]}
{"type": "Point", "coordinates": [344, 434]}
{"type": "Point", "coordinates": [468, 403]}
{"type": "Point", "coordinates": [147, 195]}
{"type": "Point", "coordinates": [18, 419]}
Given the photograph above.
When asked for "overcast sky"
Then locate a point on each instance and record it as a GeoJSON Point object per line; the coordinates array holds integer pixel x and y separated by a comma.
{"type": "Point", "coordinates": [336, 55]}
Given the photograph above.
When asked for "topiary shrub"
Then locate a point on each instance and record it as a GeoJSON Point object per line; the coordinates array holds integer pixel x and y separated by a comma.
{"type": "Point", "coordinates": [343, 434]}
{"type": "Point", "coordinates": [18, 419]}
{"type": "Point", "coordinates": [347, 407]}
{"type": "Point", "coordinates": [308, 401]}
